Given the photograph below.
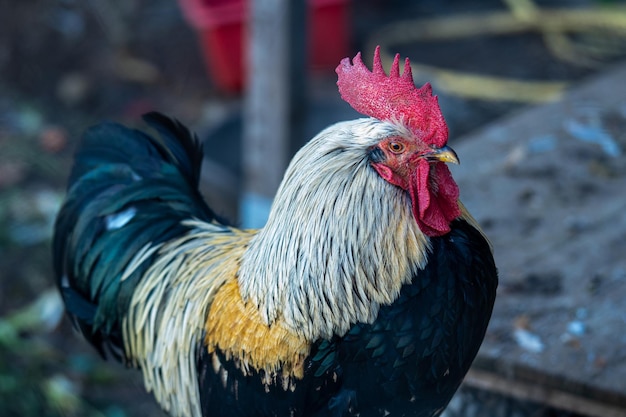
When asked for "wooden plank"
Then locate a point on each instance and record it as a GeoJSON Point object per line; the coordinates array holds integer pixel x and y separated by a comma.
{"type": "Point", "coordinates": [529, 391]}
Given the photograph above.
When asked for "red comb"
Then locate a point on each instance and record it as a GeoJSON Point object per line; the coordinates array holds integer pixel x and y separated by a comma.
{"type": "Point", "coordinates": [393, 97]}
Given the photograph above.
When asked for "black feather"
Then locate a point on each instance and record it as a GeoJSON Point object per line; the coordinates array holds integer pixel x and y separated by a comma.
{"type": "Point", "coordinates": [120, 170]}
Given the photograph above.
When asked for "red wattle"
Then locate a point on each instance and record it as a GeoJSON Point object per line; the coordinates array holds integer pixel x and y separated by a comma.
{"type": "Point", "coordinates": [435, 198]}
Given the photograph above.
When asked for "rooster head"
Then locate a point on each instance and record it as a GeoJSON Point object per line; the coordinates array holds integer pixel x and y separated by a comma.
{"type": "Point", "coordinates": [415, 160]}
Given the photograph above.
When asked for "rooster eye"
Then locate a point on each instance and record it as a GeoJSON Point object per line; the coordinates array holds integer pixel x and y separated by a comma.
{"type": "Point", "coordinates": [396, 147]}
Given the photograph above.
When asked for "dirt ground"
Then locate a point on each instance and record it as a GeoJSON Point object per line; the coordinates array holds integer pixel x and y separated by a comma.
{"type": "Point", "coordinates": [67, 64]}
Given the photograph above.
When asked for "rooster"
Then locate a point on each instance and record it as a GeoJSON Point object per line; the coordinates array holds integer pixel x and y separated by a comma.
{"type": "Point", "coordinates": [367, 293]}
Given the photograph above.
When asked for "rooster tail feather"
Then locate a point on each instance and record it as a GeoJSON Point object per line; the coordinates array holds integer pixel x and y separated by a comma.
{"type": "Point", "coordinates": [128, 191]}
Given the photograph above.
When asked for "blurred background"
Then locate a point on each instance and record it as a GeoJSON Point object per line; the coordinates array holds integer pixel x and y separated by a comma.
{"type": "Point", "coordinates": [67, 64]}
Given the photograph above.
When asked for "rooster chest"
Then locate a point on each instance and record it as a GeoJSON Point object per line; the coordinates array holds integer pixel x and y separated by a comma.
{"type": "Point", "coordinates": [411, 360]}
{"type": "Point", "coordinates": [408, 362]}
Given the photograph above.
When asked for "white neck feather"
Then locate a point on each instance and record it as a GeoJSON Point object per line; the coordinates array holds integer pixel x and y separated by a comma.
{"type": "Point", "coordinates": [340, 241]}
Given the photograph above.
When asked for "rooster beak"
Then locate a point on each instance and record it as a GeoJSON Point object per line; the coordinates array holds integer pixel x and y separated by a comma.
{"type": "Point", "coordinates": [443, 154]}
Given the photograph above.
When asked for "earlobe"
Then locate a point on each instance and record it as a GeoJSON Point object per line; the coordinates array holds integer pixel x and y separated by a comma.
{"type": "Point", "coordinates": [384, 171]}
{"type": "Point", "coordinates": [388, 175]}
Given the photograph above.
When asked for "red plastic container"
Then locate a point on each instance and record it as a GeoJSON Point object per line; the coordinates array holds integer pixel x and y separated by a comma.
{"type": "Point", "coordinates": [221, 25]}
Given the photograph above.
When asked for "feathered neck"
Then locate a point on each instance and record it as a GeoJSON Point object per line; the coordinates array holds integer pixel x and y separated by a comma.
{"type": "Point", "coordinates": [340, 241]}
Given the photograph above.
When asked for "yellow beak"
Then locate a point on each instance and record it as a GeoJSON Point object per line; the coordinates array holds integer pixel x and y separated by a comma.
{"type": "Point", "coordinates": [443, 154]}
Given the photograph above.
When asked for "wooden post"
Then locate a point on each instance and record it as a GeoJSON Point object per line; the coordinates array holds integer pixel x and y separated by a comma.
{"type": "Point", "coordinates": [268, 105]}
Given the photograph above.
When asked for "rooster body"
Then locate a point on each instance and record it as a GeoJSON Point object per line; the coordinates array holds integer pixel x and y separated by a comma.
{"type": "Point", "coordinates": [350, 301]}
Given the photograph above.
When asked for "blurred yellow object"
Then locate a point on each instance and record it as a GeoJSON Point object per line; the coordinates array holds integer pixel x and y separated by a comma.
{"type": "Point", "coordinates": [523, 16]}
